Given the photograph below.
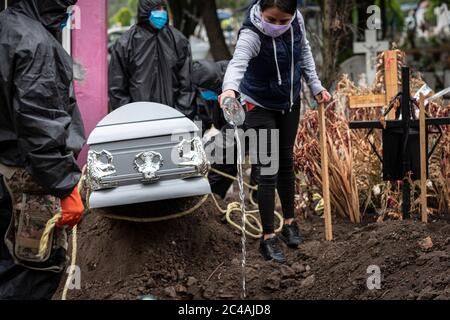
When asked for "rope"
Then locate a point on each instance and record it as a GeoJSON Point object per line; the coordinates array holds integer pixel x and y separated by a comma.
{"type": "Point", "coordinates": [232, 207]}
{"type": "Point", "coordinates": [236, 206]}
{"type": "Point", "coordinates": [73, 259]}
{"type": "Point", "coordinates": [223, 174]}
{"type": "Point", "coordinates": [43, 245]}
{"type": "Point", "coordinates": [71, 270]}
{"type": "Point", "coordinates": [157, 219]}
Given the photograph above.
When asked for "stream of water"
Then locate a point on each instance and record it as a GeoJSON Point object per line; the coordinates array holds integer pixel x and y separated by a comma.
{"type": "Point", "coordinates": [235, 115]}
{"type": "Point", "coordinates": [240, 161]}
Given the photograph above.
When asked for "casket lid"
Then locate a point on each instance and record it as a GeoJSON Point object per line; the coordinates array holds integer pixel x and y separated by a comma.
{"type": "Point", "coordinates": [141, 120]}
{"type": "Point", "coordinates": [138, 112]}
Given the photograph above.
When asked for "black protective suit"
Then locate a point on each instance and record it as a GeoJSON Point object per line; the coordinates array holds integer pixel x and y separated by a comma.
{"type": "Point", "coordinates": [40, 124]}
{"type": "Point", "coordinates": [152, 65]}
{"type": "Point", "coordinates": [208, 75]}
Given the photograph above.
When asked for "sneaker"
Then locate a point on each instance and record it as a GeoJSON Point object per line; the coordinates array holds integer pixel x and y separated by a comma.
{"type": "Point", "coordinates": [291, 235]}
{"type": "Point", "coordinates": [270, 249]}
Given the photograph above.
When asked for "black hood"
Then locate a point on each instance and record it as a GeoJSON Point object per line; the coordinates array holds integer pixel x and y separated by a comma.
{"type": "Point", "coordinates": [41, 129]}
{"type": "Point", "coordinates": [209, 75]}
{"type": "Point", "coordinates": [145, 6]}
{"type": "Point", "coordinates": [51, 13]}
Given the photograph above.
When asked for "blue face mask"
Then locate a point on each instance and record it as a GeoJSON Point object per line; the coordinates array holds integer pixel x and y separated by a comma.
{"type": "Point", "coordinates": [210, 95]}
{"type": "Point", "coordinates": [159, 18]}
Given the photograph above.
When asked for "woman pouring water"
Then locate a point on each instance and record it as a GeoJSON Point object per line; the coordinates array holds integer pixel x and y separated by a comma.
{"type": "Point", "coordinates": [271, 57]}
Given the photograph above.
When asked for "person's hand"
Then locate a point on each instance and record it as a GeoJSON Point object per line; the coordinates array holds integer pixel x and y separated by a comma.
{"type": "Point", "coordinates": [225, 94]}
{"type": "Point", "coordinates": [72, 210]}
{"type": "Point", "coordinates": [323, 97]}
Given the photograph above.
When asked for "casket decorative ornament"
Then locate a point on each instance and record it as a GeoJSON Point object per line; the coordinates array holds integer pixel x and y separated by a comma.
{"type": "Point", "coordinates": [100, 166]}
{"type": "Point", "coordinates": [193, 155]}
{"type": "Point", "coordinates": [148, 163]}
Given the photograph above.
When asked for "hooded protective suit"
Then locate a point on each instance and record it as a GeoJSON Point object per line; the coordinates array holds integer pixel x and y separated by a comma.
{"type": "Point", "coordinates": [40, 124]}
{"type": "Point", "coordinates": [208, 76]}
{"type": "Point", "coordinates": [152, 65]}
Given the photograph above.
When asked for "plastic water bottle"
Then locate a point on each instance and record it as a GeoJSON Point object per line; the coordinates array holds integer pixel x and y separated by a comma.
{"type": "Point", "coordinates": [233, 111]}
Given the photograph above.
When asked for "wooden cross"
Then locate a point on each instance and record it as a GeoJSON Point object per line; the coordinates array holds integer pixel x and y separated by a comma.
{"type": "Point", "coordinates": [391, 87]}
{"type": "Point", "coordinates": [407, 126]}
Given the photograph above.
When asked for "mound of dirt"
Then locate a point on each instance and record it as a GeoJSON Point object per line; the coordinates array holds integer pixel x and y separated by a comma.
{"type": "Point", "coordinates": [198, 257]}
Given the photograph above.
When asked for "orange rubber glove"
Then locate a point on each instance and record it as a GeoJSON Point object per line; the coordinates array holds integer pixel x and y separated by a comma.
{"type": "Point", "coordinates": [72, 210]}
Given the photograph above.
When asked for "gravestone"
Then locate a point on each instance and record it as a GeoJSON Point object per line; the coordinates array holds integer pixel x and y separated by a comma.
{"type": "Point", "coordinates": [354, 67]}
{"type": "Point", "coordinates": [430, 79]}
{"type": "Point", "coordinates": [371, 48]}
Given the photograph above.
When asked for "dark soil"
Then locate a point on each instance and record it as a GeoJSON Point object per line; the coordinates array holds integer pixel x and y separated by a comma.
{"type": "Point", "coordinates": [198, 257]}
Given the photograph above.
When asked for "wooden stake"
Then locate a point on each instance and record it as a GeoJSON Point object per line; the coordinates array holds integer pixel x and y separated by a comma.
{"type": "Point", "coordinates": [423, 162]}
{"type": "Point", "coordinates": [391, 78]}
{"type": "Point", "coordinates": [325, 176]}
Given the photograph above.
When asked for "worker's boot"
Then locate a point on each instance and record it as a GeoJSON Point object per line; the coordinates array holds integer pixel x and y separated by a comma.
{"type": "Point", "coordinates": [271, 250]}
{"type": "Point", "coordinates": [291, 235]}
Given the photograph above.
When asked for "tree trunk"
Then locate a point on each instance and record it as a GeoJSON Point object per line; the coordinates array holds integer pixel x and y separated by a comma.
{"type": "Point", "coordinates": [219, 48]}
{"type": "Point", "coordinates": [186, 15]}
{"type": "Point", "coordinates": [336, 22]}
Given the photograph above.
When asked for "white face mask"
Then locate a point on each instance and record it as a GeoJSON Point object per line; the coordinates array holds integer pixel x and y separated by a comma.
{"type": "Point", "coordinates": [275, 30]}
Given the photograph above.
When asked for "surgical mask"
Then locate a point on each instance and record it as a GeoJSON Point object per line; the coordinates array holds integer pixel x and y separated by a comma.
{"type": "Point", "coordinates": [159, 18]}
{"type": "Point", "coordinates": [275, 30]}
{"type": "Point", "coordinates": [209, 95]}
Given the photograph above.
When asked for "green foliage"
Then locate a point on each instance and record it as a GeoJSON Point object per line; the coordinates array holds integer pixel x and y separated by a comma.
{"type": "Point", "coordinates": [133, 5]}
{"type": "Point", "coordinates": [393, 11]}
{"type": "Point", "coordinates": [430, 17]}
{"type": "Point", "coordinates": [122, 12]}
{"type": "Point", "coordinates": [123, 17]}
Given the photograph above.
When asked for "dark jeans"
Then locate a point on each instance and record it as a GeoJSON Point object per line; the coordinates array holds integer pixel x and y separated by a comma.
{"type": "Point", "coordinates": [17, 282]}
{"type": "Point", "coordinates": [282, 179]}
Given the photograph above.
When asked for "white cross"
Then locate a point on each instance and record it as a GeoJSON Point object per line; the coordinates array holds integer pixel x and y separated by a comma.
{"type": "Point", "coordinates": [371, 47]}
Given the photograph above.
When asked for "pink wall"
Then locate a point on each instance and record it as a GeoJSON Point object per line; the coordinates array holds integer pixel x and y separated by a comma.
{"type": "Point", "coordinates": [89, 47]}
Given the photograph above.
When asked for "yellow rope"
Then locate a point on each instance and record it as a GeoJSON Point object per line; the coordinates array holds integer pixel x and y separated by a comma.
{"type": "Point", "coordinates": [157, 219]}
{"type": "Point", "coordinates": [249, 215]}
{"type": "Point", "coordinates": [223, 174]}
{"type": "Point", "coordinates": [71, 270]}
{"type": "Point", "coordinates": [43, 245]}
{"type": "Point", "coordinates": [73, 259]}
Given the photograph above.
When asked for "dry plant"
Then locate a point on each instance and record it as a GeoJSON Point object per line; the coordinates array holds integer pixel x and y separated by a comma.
{"type": "Point", "coordinates": [343, 185]}
{"type": "Point", "coordinates": [356, 182]}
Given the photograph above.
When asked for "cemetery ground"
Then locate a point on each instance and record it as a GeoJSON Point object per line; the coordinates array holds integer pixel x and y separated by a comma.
{"type": "Point", "coordinates": [198, 257]}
